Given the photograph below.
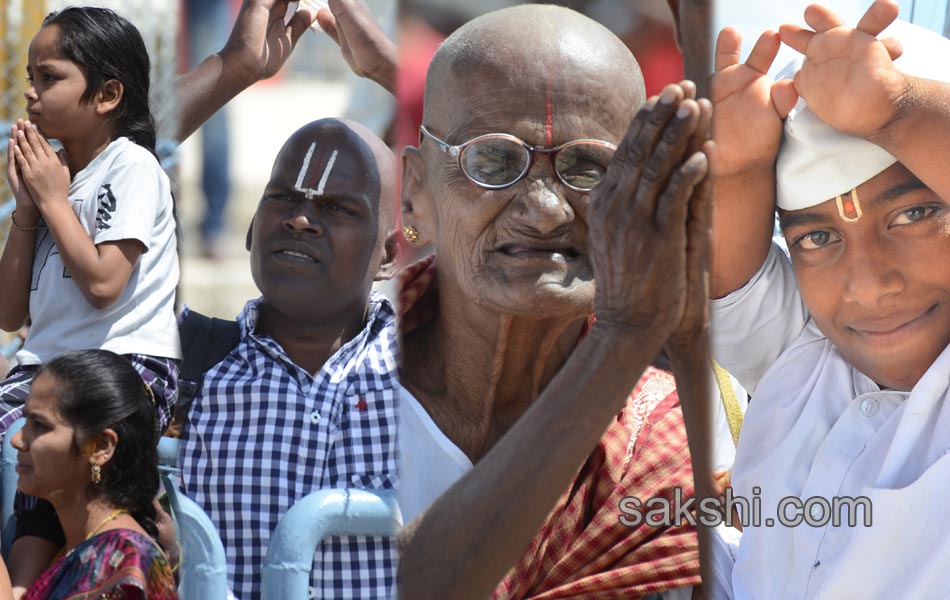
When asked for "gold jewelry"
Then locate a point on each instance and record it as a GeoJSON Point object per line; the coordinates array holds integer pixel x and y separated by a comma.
{"type": "Point", "coordinates": [150, 393]}
{"type": "Point", "coordinates": [112, 516]}
{"type": "Point", "coordinates": [96, 474]}
{"type": "Point", "coordinates": [20, 227]}
{"type": "Point", "coordinates": [411, 234]}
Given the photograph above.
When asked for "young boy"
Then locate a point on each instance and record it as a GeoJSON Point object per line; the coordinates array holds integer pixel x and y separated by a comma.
{"type": "Point", "coordinates": [845, 349]}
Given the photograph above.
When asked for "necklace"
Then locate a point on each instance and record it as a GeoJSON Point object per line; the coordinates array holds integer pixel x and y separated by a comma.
{"type": "Point", "coordinates": [112, 516]}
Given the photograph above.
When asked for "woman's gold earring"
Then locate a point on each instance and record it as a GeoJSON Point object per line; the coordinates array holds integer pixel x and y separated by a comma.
{"type": "Point", "coordinates": [411, 234]}
{"type": "Point", "coordinates": [96, 474]}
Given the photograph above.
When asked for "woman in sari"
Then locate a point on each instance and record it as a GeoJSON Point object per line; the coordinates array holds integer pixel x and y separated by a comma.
{"type": "Point", "coordinates": [89, 448]}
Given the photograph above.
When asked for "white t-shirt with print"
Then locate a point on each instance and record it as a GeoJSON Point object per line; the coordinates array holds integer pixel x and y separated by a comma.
{"type": "Point", "coordinates": [123, 194]}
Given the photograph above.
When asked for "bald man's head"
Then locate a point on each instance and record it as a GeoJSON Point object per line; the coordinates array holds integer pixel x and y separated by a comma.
{"type": "Point", "coordinates": [533, 49]}
{"type": "Point", "coordinates": [320, 231]}
{"type": "Point", "coordinates": [359, 145]}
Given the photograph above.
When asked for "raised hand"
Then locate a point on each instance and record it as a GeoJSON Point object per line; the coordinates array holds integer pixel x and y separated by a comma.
{"type": "Point", "coordinates": [638, 216]}
{"type": "Point", "coordinates": [261, 42]}
{"type": "Point", "coordinates": [747, 125]}
{"type": "Point", "coordinates": [364, 46]}
{"type": "Point", "coordinates": [42, 170]}
{"type": "Point", "coordinates": [848, 78]}
{"type": "Point", "coordinates": [695, 321]}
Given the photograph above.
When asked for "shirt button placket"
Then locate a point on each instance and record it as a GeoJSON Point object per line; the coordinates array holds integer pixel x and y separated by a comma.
{"type": "Point", "coordinates": [869, 407]}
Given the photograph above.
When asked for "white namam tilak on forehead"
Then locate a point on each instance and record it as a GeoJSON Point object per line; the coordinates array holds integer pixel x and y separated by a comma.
{"type": "Point", "coordinates": [307, 174]}
{"type": "Point", "coordinates": [817, 162]}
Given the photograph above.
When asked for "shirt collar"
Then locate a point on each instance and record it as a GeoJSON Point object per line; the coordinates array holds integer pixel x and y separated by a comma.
{"type": "Point", "coordinates": [380, 315]}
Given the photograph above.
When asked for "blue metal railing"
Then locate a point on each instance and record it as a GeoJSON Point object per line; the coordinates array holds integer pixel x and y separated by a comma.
{"type": "Point", "coordinates": [204, 570]}
{"type": "Point", "coordinates": [314, 517]}
{"type": "Point", "coordinates": [8, 481]}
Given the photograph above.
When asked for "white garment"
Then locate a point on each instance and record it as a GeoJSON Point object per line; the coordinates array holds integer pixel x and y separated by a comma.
{"type": "Point", "coordinates": [123, 194]}
{"type": "Point", "coordinates": [429, 463]}
{"type": "Point", "coordinates": [817, 427]}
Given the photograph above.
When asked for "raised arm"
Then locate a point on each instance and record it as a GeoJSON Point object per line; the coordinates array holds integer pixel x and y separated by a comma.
{"type": "Point", "coordinates": [638, 248]}
{"type": "Point", "coordinates": [747, 127]}
{"type": "Point", "coordinates": [850, 82]}
{"type": "Point", "coordinates": [260, 44]}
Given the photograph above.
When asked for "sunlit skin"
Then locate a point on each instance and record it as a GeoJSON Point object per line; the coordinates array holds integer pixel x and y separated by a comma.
{"type": "Point", "coordinates": [56, 85]}
{"type": "Point", "coordinates": [53, 101]}
{"type": "Point", "coordinates": [315, 258]}
{"type": "Point", "coordinates": [523, 249]}
{"type": "Point", "coordinates": [878, 287]}
{"type": "Point", "coordinates": [48, 462]}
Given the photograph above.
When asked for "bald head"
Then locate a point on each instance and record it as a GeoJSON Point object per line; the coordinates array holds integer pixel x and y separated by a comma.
{"type": "Point", "coordinates": [532, 48]}
{"type": "Point", "coordinates": [309, 157]}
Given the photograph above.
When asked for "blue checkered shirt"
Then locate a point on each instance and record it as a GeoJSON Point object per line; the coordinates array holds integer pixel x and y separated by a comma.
{"type": "Point", "coordinates": [263, 433]}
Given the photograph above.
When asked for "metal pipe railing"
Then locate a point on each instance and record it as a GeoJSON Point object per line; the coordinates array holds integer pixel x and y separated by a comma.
{"type": "Point", "coordinates": [349, 512]}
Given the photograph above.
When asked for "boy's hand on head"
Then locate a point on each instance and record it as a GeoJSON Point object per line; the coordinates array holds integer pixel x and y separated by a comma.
{"type": "Point", "coordinates": [364, 45]}
{"type": "Point", "coordinates": [260, 41]}
{"type": "Point", "coordinates": [848, 78]}
{"type": "Point", "coordinates": [747, 125]}
{"type": "Point", "coordinates": [24, 201]}
{"type": "Point", "coordinates": [43, 170]}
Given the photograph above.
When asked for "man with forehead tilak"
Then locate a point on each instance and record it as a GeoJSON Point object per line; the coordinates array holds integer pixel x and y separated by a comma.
{"type": "Point", "coordinates": [844, 346]}
{"type": "Point", "coordinates": [542, 417]}
{"type": "Point", "coordinates": [307, 399]}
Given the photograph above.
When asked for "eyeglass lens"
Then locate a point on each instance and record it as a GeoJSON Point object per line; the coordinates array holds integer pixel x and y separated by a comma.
{"type": "Point", "coordinates": [502, 161]}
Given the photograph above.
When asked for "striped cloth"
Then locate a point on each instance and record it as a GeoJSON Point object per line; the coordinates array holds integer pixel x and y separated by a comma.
{"type": "Point", "coordinates": [582, 550]}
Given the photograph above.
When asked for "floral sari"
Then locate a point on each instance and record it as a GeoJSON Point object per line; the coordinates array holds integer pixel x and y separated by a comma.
{"type": "Point", "coordinates": [115, 564]}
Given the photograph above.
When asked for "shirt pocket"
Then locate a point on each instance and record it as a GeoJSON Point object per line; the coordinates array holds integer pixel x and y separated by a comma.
{"type": "Point", "coordinates": [366, 448]}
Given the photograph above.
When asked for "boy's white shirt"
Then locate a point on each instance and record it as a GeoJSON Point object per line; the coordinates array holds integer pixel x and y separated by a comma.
{"type": "Point", "coordinates": [122, 194]}
{"type": "Point", "coordinates": [816, 426]}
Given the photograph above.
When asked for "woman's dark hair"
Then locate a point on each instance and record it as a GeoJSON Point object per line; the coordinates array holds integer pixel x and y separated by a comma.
{"type": "Point", "coordinates": [99, 390]}
{"type": "Point", "coordinates": [106, 46]}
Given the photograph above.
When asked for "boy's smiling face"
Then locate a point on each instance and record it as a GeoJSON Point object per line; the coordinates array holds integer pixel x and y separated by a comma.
{"type": "Point", "coordinates": [878, 286]}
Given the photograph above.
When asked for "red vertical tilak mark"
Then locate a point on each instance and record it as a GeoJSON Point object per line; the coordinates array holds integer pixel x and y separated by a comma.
{"type": "Point", "coordinates": [549, 113]}
{"type": "Point", "coordinates": [314, 174]}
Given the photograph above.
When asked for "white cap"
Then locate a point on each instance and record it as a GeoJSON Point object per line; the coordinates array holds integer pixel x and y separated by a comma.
{"type": "Point", "coordinates": [817, 162]}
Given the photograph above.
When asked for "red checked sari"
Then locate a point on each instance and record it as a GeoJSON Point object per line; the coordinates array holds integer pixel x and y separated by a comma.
{"type": "Point", "coordinates": [115, 564]}
{"type": "Point", "coordinates": [583, 551]}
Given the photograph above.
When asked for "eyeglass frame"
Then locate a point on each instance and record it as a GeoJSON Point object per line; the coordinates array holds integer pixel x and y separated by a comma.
{"type": "Point", "coordinates": [455, 151]}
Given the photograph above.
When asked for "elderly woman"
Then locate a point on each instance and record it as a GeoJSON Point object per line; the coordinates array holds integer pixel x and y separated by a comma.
{"type": "Point", "coordinates": [510, 382]}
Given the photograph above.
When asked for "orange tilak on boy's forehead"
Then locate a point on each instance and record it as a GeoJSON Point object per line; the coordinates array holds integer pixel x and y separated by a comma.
{"type": "Point", "coordinates": [849, 206]}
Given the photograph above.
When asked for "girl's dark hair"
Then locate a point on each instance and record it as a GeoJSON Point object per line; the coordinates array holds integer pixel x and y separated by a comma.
{"type": "Point", "coordinates": [100, 390]}
{"type": "Point", "coordinates": [106, 46]}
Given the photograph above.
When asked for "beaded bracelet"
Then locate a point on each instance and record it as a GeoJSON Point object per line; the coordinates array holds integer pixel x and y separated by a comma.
{"type": "Point", "coordinates": [20, 227]}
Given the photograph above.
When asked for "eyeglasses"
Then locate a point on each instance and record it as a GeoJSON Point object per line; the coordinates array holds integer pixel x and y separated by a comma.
{"type": "Point", "coordinates": [498, 160]}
